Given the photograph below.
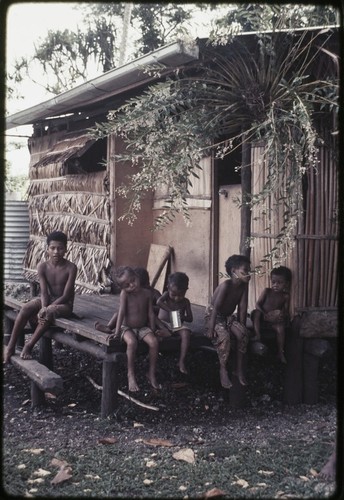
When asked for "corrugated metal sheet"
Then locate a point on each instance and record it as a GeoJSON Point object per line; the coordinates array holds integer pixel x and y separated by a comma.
{"type": "Point", "coordinates": [16, 237]}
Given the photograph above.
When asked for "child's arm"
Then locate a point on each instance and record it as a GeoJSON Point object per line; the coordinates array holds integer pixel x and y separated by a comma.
{"type": "Point", "coordinates": [261, 300]}
{"type": "Point", "coordinates": [43, 284]}
{"type": "Point", "coordinates": [109, 327]}
{"type": "Point", "coordinates": [151, 315]}
{"type": "Point", "coordinates": [188, 317]}
{"type": "Point", "coordinates": [218, 301]}
{"type": "Point", "coordinates": [242, 307]}
{"type": "Point", "coordinates": [286, 305]}
{"type": "Point", "coordinates": [121, 315]}
{"type": "Point", "coordinates": [113, 321]}
{"type": "Point", "coordinates": [161, 302]}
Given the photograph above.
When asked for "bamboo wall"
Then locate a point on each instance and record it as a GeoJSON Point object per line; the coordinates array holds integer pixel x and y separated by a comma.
{"type": "Point", "coordinates": [313, 259]}
{"type": "Point", "coordinates": [78, 205]}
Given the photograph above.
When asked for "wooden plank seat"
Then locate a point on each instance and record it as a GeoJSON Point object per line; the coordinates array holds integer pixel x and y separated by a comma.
{"type": "Point", "coordinates": [45, 379]}
{"type": "Point", "coordinates": [78, 332]}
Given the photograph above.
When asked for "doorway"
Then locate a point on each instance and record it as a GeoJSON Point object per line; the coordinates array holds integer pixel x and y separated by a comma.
{"type": "Point", "coordinates": [227, 214]}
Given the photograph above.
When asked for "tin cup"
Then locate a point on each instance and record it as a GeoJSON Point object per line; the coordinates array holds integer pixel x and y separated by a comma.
{"type": "Point", "coordinates": [175, 319]}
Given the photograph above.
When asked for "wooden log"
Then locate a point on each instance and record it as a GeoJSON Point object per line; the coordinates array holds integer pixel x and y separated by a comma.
{"type": "Point", "coordinates": [45, 379]}
{"type": "Point", "coordinates": [8, 326]}
{"type": "Point", "coordinates": [109, 401]}
{"type": "Point", "coordinates": [293, 375]}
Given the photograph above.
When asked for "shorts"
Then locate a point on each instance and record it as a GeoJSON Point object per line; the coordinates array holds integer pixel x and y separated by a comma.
{"type": "Point", "coordinates": [223, 326]}
{"type": "Point", "coordinates": [174, 330]}
{"type": "Point", "coordinates": [140, 333]}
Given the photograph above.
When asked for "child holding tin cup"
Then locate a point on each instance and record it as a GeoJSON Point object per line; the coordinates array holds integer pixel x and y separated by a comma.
{"type": "Point", "coordinates": [175, 309]}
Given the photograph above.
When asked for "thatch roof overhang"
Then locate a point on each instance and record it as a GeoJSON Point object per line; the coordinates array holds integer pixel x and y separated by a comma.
{"type": "Point", "coordinates": [71, 146]}
{"type": "Point", "coordinates": [109, 84]}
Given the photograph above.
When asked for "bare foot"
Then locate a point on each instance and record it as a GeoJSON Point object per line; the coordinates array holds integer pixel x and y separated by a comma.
{"type": "Point", "coordinates": [153, 382]}
{"type": "Point", "coordinates": [241, 378]}
{"type": "Point", "coordinates": [182, 368]}
{"type": "Point", "coordinates": [282, 358]}
{"type": "Point", "coordinates": [225, 382]}
{"type": "Point", "coordinates": [7, 355]}
{"type": "Point", "coordinates": [132, 384]}
{"type": "Point", "coordinates": [26, 352]}
{"type": "Point", "coordinates": [102, 328]}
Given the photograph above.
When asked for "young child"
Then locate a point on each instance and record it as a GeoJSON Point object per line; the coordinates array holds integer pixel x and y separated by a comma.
{"type": "Point", "coordinates": [220, 324]}
{"type": "Point", "coordinates": [272, 307]}
{"type": "Point", "coordinates": [143, 275]}
{"type": "Point", "coordinates": [57, 279]}
{"type": "Point", "coordinates": [174, 300]}
{"type": "Point", "coordinates": [134, 321]}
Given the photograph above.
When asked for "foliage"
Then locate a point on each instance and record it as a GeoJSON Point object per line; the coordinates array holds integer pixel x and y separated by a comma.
{"type": "Point", "coordinates": [265, 90]}
{"type": "Point", "coordinates": [159, 24]}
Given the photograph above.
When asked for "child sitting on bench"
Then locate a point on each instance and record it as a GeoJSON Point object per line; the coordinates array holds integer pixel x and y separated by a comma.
{"type": "Point", "coordinates": [57, 279]}
{"type": "Point", "coordinates": [174, 300]}
{"type": "Point", "coordinates": [272, 308]}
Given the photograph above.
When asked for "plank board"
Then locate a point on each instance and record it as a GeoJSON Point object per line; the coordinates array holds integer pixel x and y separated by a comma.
{"type": "Point", "coordinates": [47, 380]}
{"type": "Point", "coordinates": [157, 264]}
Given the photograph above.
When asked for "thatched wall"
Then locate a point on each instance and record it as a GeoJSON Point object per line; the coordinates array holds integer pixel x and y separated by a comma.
{"type": "Point", "coordinates": [75, 204]}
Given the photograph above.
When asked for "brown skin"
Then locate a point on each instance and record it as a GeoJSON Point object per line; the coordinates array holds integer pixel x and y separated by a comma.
{"type": "Point", "coordinates": [174, 300]}
{"type": "Point", "coordinates": [57, 279]}
{"type": "Point", "coordinates": [273, 306]}
{"type": "Point", "coordinates": [328, 472]}
{"type": "Point", "coordinates": [228, 296]}
{"type": "Point", "coordinates": [135, 311]}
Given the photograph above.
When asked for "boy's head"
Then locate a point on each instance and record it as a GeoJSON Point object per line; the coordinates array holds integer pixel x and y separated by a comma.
{"type": "Point", "coordinates": [177, 285]}
{"type": "Point", "coordinates": [238, 266]}
{"type": "Point", "coordinates": [57, 236]}
{"type": "Point", "coordinates": [143, 275]}
{"type": "Point", "coordinates": [127, 279]}
{"type": "Point", "coordinates": [280, 278]}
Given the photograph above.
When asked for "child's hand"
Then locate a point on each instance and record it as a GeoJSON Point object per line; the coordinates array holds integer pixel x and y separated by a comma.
{"type": "Point", "coordinates": [163, 332]}
{"type": "Point", "coordinates": [113, 336]}
{"type": "Point", "coordinates": [42, 313]}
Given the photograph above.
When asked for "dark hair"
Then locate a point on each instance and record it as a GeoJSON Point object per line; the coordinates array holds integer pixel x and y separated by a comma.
{"type": "Point", "coordinates": [57, 236]}
{"type": "Point", "coordinates": [283, 271]}
{"type": "Point", "coordinates": [143, 275]}
{"type": "Point", "coordinates": [180, 280]}
{"type": "Point", "coordinates": [122, 270]}
{"type": "Point", "coordinates": [235, 261]}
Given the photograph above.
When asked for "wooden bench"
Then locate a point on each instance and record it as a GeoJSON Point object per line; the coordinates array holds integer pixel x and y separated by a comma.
{"type": "Point", "coordinates": [78, 332]}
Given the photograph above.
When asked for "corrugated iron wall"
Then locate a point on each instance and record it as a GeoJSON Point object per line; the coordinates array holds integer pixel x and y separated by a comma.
{"type": "Point", "coordinates": [16, 237]}
{"type": "Point", "coordinates": [314, 258]}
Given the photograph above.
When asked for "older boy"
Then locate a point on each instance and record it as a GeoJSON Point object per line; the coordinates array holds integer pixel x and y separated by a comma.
{"type": "Point", "coordinates": [57, 279]}
{"type": "Point", "coordinates": [134, 321]}
{"type": "Point", "coordinates": [228, 295]}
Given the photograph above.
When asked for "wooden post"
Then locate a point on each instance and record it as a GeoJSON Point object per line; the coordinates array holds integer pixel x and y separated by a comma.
{"type": "Point", "coordinates": [245, 209]}
{"type": "Point", "coordinates": [46, 359]}
{"type": "Point", "coordinates": [109, 400]}
{"type": "Point", "coordinates": [8, 326]}
{"type": "Point", "coordinates": [293, 381]}
{"type": "Point", "coordinates": [314, 350]}
{"type": "Point", "coordinates": [237, 393]}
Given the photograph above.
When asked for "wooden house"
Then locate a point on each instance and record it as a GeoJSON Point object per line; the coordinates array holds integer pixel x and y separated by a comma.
{"type": "Point", "coordinates": [73, 181]}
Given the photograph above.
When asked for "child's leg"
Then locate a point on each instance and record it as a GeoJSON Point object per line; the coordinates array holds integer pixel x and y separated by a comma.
{"type": "Point", "coordinates": [241, 336]}
{"type": "Point", "coordinates": [131, 341]}
{"type": "Point", "coordinates": [185, 335]}
{"type": "Point", "coordinates": [280, 336]}
{"type": "Point", "coordinates": [52, 311]}
{"type": "Point", "coordinates": [27, 311]}
{"type": "Point", "coordinates": [222, 344]}
{"type": "Point", "coordinates": [153, 345]}
{"type": "Point", "coordinates": [256, 316]}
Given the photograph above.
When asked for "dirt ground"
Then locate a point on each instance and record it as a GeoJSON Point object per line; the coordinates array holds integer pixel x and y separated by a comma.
{"type": "Point", "coordinates": [195, 446]}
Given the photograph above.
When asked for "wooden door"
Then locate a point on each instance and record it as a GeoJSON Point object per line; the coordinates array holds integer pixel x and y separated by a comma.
{"type": "Point", "coordinates": [229, 225]}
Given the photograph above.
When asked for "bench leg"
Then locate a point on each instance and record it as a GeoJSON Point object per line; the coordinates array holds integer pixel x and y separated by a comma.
{"type": "Point", "coordinates": [8, 326]}
{"type": "Point", "coordinates": [310, 378]}
{"type": "Point", "coordinates": [46, 358]}
{"type": "Point", "coordinates": [110, 386]}
{"type": "Point", "coordinates": [293, 379]}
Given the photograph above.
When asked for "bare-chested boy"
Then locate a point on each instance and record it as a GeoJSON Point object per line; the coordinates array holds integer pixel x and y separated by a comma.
{"type": "Point", "coordinates": [57, 279]}
{"type": "Point", "coordinates": [272, 307]}
{"type": "Point", "coordinates": [134, 321]}
{"type": "Point", "coordinates": [229, 295]}
{"type": "Point", "coordinates": [174, 300]}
